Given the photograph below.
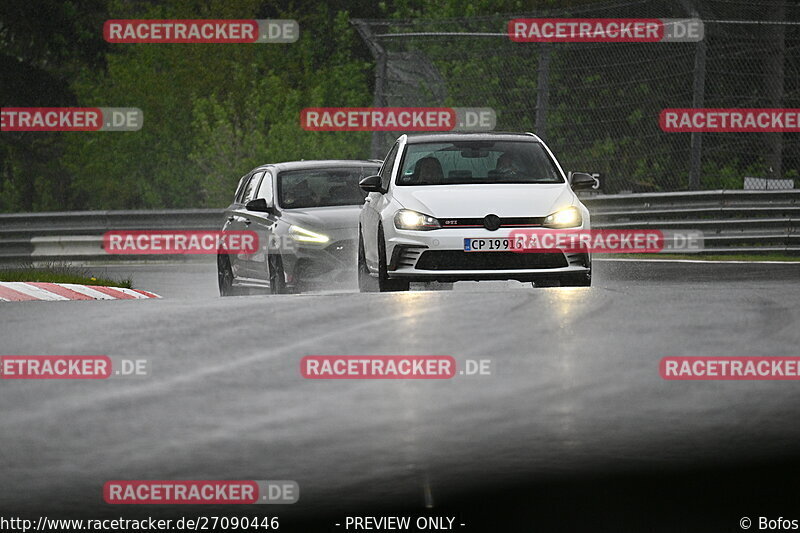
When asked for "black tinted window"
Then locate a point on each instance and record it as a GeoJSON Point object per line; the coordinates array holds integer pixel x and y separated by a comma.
{"type": "Point", "coordinates": [463, 162]}
{"type": "Point", "coordinates": [322, 187]}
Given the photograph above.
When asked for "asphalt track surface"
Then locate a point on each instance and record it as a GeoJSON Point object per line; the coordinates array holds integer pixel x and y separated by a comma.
{"type": "Point", "coordinates": [575, 431]}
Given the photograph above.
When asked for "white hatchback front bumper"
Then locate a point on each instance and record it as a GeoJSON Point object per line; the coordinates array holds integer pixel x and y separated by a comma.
{"type": "Point", "coordinates": [439, 254]}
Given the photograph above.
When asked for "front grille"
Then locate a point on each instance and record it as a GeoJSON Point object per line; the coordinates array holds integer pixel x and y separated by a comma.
{"type": "Point", "coordinates": [578, 259]}
{"type": "Point", "coordinates": [307, 269]}
{"type": "Point", "coordinates": [458, 260]}
{"type": "Point", "coordinates": [507, 222]}
{"type": "Point", "coordinates": [405, 256]}
{"type": "Point", "coordinates": [344, 251]}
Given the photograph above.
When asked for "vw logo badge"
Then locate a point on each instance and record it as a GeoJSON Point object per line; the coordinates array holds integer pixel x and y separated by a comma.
{"type": "Point", "coordinates": [491, 222]}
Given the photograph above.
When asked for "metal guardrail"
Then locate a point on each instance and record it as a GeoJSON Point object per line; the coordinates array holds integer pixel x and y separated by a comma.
{"type": "Point", "coordinates": [732, 221]}
{"type": "Point", "coordinates": [78, 235]}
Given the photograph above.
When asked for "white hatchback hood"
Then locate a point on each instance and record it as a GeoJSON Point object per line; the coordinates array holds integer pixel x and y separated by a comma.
{"type": "Point", "coordinates": [479, 200]}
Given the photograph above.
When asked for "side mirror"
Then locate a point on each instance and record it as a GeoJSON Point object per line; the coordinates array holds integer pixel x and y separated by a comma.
{"type": "Point", "coordinates": [581, 181]}
{"type": "Point", "coordinates": [371, 184]}
{"type": "Point", "coordinates": [259, 205]}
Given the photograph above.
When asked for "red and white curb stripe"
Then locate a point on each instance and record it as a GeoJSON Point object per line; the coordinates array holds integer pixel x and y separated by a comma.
{"type": "Point", "coordinates": [17, 291]}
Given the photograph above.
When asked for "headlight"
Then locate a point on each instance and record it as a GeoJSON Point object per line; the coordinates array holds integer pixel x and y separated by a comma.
{"type": "Point", "coordinates": [566, 218]}
{"type": "Point", "coordinates": [407, 219]}
{"type": "Point", "coordinates": [305, 235]}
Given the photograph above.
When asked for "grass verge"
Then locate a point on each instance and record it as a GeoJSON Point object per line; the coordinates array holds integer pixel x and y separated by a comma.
{"type": "Point", "coordinates": [59, 273]}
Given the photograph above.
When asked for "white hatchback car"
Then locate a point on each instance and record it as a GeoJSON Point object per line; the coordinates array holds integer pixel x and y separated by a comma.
{"type": "Point", "coordinates": [443, 205]}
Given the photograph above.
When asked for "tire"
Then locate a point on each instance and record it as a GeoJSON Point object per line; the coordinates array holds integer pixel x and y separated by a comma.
{"type": "Point", "coordinates": [366, 283]}
{"type": "Point", "coordinates": [277, 277]}
{"type": "Point", "coordinates": [385, 284]}
{"type": "Point", "coordinates": [225, 276]}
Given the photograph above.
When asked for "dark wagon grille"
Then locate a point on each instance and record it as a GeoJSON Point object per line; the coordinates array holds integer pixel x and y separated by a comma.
{"type": "Point", "coordinates": [345, 250]}
{"type": "Point", "coordinates": [458, 260]}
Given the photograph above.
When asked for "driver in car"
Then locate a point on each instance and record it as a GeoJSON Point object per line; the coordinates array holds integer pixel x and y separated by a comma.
{"type": "Point", "coordinates": [507, 164]}
{"type": "Point", "coordinates": [301, 194]}
{"type": "Point", "coordinates": [429, 170]}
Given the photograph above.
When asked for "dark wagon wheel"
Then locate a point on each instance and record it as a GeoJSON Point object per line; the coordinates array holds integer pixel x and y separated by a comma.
{"type": "Point", "coordinates": [277, 278]}
{"type": "Point", "coordinates": [225, 276]}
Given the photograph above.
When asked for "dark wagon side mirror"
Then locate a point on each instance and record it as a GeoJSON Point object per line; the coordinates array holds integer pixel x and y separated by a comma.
{"type": "Point", "coordinates": [260, 205]}
{"type": "Point", "coordinates": [371, 184]}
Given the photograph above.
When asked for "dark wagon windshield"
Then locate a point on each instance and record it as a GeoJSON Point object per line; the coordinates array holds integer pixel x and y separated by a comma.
{"type": "Point", "coordinates": [463, 162]}
{"type": "Point", "coordinates": [322, 187]}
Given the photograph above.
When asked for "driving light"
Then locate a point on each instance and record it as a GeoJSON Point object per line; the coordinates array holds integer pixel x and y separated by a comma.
{"type": "Point", "coordinates": [566, 218]}
{"type": "Point", "coordinates": [304, 235]}
{"type": "Point", "coordinates": [407, 219]}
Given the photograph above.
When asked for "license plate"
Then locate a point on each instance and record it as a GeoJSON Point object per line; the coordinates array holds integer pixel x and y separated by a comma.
{"type": "Point", "coordinates": [492, 245]}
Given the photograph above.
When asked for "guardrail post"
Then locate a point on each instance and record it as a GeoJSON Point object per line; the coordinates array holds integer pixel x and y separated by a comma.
{"type": "Point", "coordinates": [774, 81]}
{"type": "Point", "coordinates": [379, 98]}
{"type": "Point", "coordinates": [698, 91]}
{"type": "Point", "coordinates": [542, 90]}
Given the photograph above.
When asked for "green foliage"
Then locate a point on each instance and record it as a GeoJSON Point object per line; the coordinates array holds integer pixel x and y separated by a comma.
{"type": "Point", "coordinates": [730, 174]}
{"type": "Point", "coordinates": [213, 112]}
{"type": "Point", "coordinates": [59, 273]}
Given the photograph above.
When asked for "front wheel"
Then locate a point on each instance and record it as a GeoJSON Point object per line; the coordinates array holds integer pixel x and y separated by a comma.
{"type": "Point", "coordinates": [277, 277]}
{"type": "Point", "coordinates": [366, 283]}
{"type": "Point", "coordinates": [386, 284]}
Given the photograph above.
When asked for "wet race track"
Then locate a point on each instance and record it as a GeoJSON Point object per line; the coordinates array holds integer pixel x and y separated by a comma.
{"type": "Point", "coordinates": [574, 426]}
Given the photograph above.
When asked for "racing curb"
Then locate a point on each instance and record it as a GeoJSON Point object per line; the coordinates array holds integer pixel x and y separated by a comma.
{"type": "Point", "coordinates": [18, 291]}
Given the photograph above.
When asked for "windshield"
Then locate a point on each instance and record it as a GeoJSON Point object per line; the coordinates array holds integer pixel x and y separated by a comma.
{"type": "Point", "coordinates": [322, 187]}
{"type": "Point", "coordinates": [465, 162]}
